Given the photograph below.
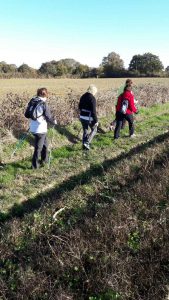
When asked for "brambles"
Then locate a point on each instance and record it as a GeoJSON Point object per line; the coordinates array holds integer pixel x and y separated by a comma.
{"type": "Point", "coordinates": [150, 94]}
{"type": "Point", "coordinates": [65, 107]}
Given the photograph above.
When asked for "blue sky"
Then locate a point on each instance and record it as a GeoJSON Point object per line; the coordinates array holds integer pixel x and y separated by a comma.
{"type": "Point", "coordinates": [38, 31]}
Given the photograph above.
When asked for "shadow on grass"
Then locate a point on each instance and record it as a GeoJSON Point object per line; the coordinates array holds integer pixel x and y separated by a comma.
{"type": "Point", "coordinates": [71, 137]}
{"type": "Point", "coordinates": [18, 210]}
{"type": "Point", "coordinates": [64, 131]}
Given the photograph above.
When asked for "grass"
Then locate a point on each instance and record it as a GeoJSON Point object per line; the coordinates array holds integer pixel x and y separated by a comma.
{"type": "Point", "coordinates": [63, 86]}
{"type": "Point", "coordinates": [101, 228]}
{"type": "Point", "coordinates": [19, 181]}
{"type": "Point", "coordinates": [109, 239]}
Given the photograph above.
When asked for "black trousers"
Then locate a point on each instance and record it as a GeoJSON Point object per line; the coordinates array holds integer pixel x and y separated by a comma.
{"type": "Point", "coordinates": [40, 154]}
{"type": "Point", "coordinates": [119, 122]}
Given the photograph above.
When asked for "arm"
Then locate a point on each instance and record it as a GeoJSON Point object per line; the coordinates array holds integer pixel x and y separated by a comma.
{"type": "Point", "coordinates": [94, 115]}
{"type": "Point", "coordinates": [48, 116]}
{"type": "Point", "coordinates": [132, 104]}
{"type": "Point", "coordinates": [130, 97]}
{"type": "Point", "coordinates": [80, 104]}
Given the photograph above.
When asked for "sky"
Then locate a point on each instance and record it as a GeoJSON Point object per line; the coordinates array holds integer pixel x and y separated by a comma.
{"type": "Point", "coordinates": [38, 31]}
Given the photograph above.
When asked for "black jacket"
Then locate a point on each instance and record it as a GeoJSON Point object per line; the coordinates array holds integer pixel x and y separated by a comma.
{"type": "Point", "coordinates": [88, 103]}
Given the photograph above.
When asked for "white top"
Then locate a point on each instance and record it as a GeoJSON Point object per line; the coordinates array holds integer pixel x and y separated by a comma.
{"type": "Point", "coordinates": [39, 125]}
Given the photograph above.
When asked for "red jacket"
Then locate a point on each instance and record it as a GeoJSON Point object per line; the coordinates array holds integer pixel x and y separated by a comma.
{"type": "Point", "coordinates": [130, 97]}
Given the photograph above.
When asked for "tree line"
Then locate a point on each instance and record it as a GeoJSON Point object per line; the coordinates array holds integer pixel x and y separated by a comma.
{"type": "Point", "coordinates": [146, 65]}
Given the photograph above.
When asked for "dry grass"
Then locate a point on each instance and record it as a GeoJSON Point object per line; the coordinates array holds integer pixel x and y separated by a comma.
{"type": "Point", "coordinates": [62, 86]}
{"type": "Point", "coordinates": [113, 234]}
{"type": "Point", "coordinates": [117, 241]}
{"type": "Point", "coordinates": [64, 101]}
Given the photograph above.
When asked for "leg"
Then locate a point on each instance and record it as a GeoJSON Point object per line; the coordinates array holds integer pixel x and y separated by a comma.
{"type": "Point", "coordinates": [39, 142]}
{"type": "Point", "coordinates": [130, 120]}
{"type": "Point", "coordinates": [123, 123]}
{"type": "Point", "coordinates": [44, 153]}
{"type": "Point", "coordinates": [85, 125]}
{"type": "Point", "coordinates": [119, 121]}
{"type": "Point", "coordinates": [92, 133]}
{"type": "Point", "coordinates": [112, 124]}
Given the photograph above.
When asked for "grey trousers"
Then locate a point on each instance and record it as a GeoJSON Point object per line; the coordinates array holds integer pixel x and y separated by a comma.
{"type": "Point", "coordinates": [40, 154]}
{"type": "Point", "coordinates": [87, 137]}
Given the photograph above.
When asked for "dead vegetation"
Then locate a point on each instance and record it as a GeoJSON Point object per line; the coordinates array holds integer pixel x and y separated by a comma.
{"type": "Point", "coordinates": [112, 242]}
{"type": "Point", "coordinates": [65, 108]}
{"type": "Point", "coordinates": [113, 247]}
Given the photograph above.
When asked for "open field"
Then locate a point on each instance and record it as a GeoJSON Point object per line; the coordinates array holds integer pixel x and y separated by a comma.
{"type": "Point", "coordinates": [63, 86]}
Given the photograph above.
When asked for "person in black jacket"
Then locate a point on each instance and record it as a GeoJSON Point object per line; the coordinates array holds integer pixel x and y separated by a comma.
{"type": "Point", "coordinates": [88, 116]}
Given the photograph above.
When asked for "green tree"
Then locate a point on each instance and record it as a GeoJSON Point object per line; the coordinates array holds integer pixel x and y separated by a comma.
{"type": "Point", "coordinates": [63, 67]}
{"type": "Point", "coordinates": [25, 71]}
{"type": "Point", "coordinates": [167, 71]}
{"type": "Point", "coordinates": [2, 65]}
{"type": "Point", "coordinates": [112, 65]}
{"type": "Point", "coordinates": [7, 68]}
{"type": "Point", "coordinates": [81, 71]}
{"type": "Point", "coordinates": [24, 68]}
{"type": "Point", "coordinates": [70, 64]}
{"type": "Point", "coordinates": [147, 64]}
{"type": "Point", "coordinates": [49, 68]}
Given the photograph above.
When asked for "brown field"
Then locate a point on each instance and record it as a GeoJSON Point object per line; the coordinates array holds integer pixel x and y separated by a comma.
{"type": "Point", "coordinates": [62, 86]}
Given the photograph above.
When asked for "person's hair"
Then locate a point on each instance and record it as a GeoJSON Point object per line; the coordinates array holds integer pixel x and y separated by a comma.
{"type": "Point", "coordinates": [92, 89]}
{"type": "Point", "coordinates": [42, 92]}
{"type": "Point", "coordinates": [129, 81]}
{"type": "Point", "coordinates": [127, 87]}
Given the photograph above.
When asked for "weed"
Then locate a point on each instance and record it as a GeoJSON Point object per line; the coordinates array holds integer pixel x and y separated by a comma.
{"type": "Point", "coordinates": [134, 240]}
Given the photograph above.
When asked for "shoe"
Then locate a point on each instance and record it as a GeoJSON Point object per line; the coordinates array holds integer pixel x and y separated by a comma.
{"type": "Point", "coordinates": [133, 135]}
{"type": "Point", "coordinates": [2, 165]}
{"type": "Point", "coordinates": [34, 168]}
{"type": "Point", "coordinates": [86, 146]}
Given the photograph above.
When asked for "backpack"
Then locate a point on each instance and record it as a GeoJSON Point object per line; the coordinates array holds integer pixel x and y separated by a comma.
{"type": "Point", "coordinates": [35, 109]}
{"type": "Point", "coordinates": [124, 106]}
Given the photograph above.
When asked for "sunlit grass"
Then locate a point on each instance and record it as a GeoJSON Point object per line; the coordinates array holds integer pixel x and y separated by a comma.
{"type": "Point", "coordinates": [62, 86]}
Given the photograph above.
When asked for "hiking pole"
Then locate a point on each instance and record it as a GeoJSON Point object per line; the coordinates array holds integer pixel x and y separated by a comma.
{"type": "Point", "coordinates": [93, 132]}
{"type": "Point", "coordinates": [20, 143]}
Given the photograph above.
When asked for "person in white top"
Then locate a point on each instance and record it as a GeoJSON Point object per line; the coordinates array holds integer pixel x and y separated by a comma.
{"type": "Point", "coordinates": [38, 128]}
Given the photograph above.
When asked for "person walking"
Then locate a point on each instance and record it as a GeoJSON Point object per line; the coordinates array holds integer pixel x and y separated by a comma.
{"type": "Point", "coordinates": [88, 116]}
{"type": "Point", "coordinates": [113, 123]}
{"type": "Point", "coordinates": [126, 99]}
{"type": "Point", "coordinates": [38, 126]}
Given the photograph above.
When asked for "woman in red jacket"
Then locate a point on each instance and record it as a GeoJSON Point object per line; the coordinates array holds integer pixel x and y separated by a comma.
{"type": "Point", "coordinates": [128, 114]}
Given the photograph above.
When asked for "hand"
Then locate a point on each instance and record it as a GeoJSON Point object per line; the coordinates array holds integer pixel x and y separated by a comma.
{"type": "Point", "coordinates": [55, 122]}
{"type": "Point", "coordinates": [136, 112]}
{"type": "Point", "coordinates": [96, 124]}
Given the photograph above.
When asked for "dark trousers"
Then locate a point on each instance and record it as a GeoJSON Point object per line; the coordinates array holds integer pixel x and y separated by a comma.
{"type": "Point", "coordinates": [40, 154]}
{"type": "Point", "coordinates": [87, 137]}
{"type": "Point", "coordinates": [119, 122]}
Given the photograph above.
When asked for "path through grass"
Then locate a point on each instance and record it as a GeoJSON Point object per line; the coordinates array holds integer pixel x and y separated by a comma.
{"type": "Point", "coordinates": [19, 183]}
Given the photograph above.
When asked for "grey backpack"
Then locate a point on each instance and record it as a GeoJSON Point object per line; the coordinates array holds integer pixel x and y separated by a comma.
{"type": "Point", "coordinates": [124, 106]}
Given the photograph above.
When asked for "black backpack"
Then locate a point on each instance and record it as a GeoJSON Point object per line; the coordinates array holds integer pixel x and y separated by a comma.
{"type": "Point", "coordinates": [35, 109]}
{"type": "Point", "coordinates": [124, 106]}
